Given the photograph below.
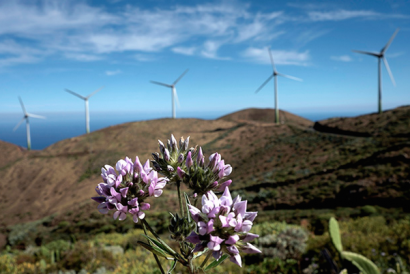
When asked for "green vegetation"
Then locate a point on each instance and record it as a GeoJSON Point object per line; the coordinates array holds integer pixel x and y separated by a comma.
{"type": "Point", "coordinates": [286, 248]}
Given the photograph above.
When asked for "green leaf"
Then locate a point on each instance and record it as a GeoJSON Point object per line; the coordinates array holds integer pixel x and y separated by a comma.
{"type": "Point", "coordinates": [216, 262]}
{"type": "Point", "coordinates": [200, 253]}
{"type": "Point", "coordinates": [161, 244]}
{"type": "Point", "coordinates": [174, 264]}
{"type": "Point", "coordinates": [154, 249]}
{"type": "Point", "coordinates": [187, 202]}
{"type": "Point", "coordinates": [335, 234]}
{"type": "Point", "coordinates": [361, 262]}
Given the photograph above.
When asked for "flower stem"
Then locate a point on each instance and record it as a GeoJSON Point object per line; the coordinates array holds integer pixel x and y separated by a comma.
{"type": "Point", "coordinates": [206, 259]}
{"type": "Point", "coordinates": [155, 256]}
{"type": "Point", "coordinates": [180, 198]}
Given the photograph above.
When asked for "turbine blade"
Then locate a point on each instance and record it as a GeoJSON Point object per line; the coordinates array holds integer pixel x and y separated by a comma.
{"type": "Point", "coordinates": [19, 123]}
{"type": "Point", "coordinates": [95, 92]}
{"type": "Point", "coordinates": [391, 40]}
{"type": "Point", "coordinates": [176, 98]}
{"type": "Point", "coordinates": [75, 94]}
{"type": "Point", "coordinates": [290, 77]}
{"type": "Point", "coordinates": [264, 83]}
{"type": "Point", "coordinates": [179, 78]}
{"type": "Point", "coordinates": [271, 59]}
{"type": "Point", "coordinates": [22, 106]}
{"type": "Point", "coordinates": [161, 84]}
{"type": "Point", "coordinates": [35, 116]}
{"type": "Point", "coordinates": [389, 71]}
{"type": "Point", "coordinates": [367, 52]}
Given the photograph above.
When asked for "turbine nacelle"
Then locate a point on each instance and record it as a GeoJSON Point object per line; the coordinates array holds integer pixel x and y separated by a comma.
{"type": "Point", "coordinates": [87, 116]}
{"type": "Point", "coordinates": [25, 117]}
{"type": "Point", "coordinates": [380, 56]}
{"type": "Point", "coordinates": [174, 92]}
{"type": "Point", "coordinates": [274, 74]}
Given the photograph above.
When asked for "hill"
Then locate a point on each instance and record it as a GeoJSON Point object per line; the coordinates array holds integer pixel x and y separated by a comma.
{"type": "Point", "coordinates": [393, 123]}
{"type": "Point", "coordinates": [267, 116]}
{"type": "Point", "coordinates": [286, 166]}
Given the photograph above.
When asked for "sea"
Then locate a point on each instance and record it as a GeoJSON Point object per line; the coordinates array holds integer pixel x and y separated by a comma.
{"type": "Point", "coordinates": [60, 126]}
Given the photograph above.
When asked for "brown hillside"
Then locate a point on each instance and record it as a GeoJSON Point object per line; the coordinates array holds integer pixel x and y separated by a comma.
{"type": "Point", "coordinates": [9, 153]}
{"type": "Point", "coordinates": [394, 122]}
{"type": "Point", "coordinates": [274, 166]}
{"type": "Point", "coordinates": [266, 116]}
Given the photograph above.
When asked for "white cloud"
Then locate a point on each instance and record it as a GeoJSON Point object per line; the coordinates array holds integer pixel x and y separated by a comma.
{"type": "Point", "coordinates": [185, 50]}
{"type": "Point", "coordinates": [112, 72]}
{"type": "Point", "coordinates": [86, 33]}
{"type": "Point", "coordinates": [210, 49]}
{"type": "Point", "coordinates": [342, 58]}
{"type": "Point", "coordinates": [144, 57]}
{"type": "Point", "coordinates": [341, 14]}
{"type": "Point", "coordinates": [82, 57]}
{"type": "Point", "coordinates": [83, 32]}
{"type": "Point", "coordinates": [280, 57]}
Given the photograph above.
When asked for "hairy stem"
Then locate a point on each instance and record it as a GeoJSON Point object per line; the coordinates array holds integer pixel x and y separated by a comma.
{"type": "Point", "coordinates": [155, 256]}
{"type": "Point", "coordinates": [180, 198]}
{"type": "Point", "coordinates": [206, 259]}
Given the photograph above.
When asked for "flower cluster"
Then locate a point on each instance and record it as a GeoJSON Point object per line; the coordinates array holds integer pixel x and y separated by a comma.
{"type": "Point", "coordinates": [171, 156]}
{"type": "Point", "coordinates": [188, 166]}
{"type": "Point", "coordinates": [223, 226]}
{"type": "Point", "coordinates": [127, 190]}
{"type": "Point", "coordinates": [202, 178]}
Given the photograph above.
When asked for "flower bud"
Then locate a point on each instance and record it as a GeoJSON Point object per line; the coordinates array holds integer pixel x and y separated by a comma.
{"type": "Point", "coordinates": [189, 161]}
{"type": "Point", "coordinates": [145, 206]}
{"type": "Point", "coordinates": [200, 156]}
{"type": "Point", "coordinates": [161, 147]}
{"type": "Point", "coordinates": [186, 144]}
{"type": "Point", "coordinates": [174, 143]}
{"type": "Point", "coordinates": [167, 157]}
{"type": "Point", "coordinates": [156, 166]}
{"type": "Point", "coordinates": [180, 173]}
{"type": "Point", "coordinates": [169, 145]}
{"type": "Point", "coordinates": [170, 168]}
{"type": "Point", "coordinates": [181, 142]}
{"type": "Point", "coordinates": [181, 158]}
{"type": "Point", "coordinates": [155, 156]}
{"type": "Point", "coordinates": [212, 160]}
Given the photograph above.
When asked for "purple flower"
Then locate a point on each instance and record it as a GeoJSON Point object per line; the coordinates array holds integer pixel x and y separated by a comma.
{"type": "Point", "coordinates": [180, 173]}
{"type": "Point", "coordinates": [223, 226]}
{"type": "Point", "coordinates": [214, 243]}
{"type": "Point", "coordinates": [189, 162]}
{"type": "Point", "coordinates": [128, 190]}
{"type": "Point", "coordinates": [121, 212]}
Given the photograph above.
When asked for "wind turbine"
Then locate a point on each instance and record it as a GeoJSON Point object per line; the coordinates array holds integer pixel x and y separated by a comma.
{"type": "Point", "coordinates": [26, 115]}
{"type": "Point", "coordinates": [274, 75]}
{"type": "Point", "coordinates": [87, 115]}
{"type": "Point", "coordinates": [380, 56]}
{"type": "Point", "coordinates": [174, 91]}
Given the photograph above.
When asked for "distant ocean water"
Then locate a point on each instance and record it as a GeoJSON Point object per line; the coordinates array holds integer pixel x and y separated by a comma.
{"type": "Point", "coordinates": [60, 126]}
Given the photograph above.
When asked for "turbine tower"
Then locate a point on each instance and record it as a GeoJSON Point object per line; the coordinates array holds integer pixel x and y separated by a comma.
{"type": "Point", "coordinates": [26, 115]}
{"type": "Point", "coordinates": [380, 56]}
{"type": "Point", "coordinates": [87, 115]}
{"type": "Point", "coordinates": [174, 91]}
{"type": "Point", "coordinates": [274, 75]}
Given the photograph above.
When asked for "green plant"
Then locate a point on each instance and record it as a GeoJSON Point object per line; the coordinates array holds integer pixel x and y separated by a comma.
{"type": "Point", "coordinates": [362, 263]}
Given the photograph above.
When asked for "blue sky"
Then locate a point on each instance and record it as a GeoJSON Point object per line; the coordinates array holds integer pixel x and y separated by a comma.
{"type": "Point", "coordinates": [47, 46]}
